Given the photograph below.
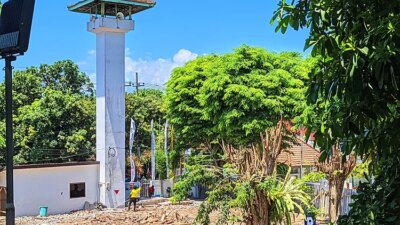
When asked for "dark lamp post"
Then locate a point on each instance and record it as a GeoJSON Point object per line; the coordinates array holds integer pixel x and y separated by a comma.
{"type": "Point", "coordinates": [15, 28]}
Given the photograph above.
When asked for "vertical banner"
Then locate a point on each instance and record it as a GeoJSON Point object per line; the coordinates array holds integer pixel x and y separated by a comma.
{"type": "Point", "coordinates": [153, 152]}
{"type": "Point", "coordinates": [131, 141]}
{"type": "Point", "coordinates": [166, 146]}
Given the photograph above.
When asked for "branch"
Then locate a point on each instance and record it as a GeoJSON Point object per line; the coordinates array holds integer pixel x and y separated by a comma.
{"type": "Point", "coordinates": [349, 165]}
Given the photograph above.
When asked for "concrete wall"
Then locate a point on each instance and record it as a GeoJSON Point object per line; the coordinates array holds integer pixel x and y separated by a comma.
{"type": "Point", "coordinates": [37, 187]}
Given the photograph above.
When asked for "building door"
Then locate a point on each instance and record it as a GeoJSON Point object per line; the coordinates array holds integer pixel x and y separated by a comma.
{"type": "Point", "coordinates": [3, 197]}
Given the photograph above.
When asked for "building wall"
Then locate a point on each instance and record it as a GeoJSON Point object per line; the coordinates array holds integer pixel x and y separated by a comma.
{"type": "Point", "coordinates": [38, 187]}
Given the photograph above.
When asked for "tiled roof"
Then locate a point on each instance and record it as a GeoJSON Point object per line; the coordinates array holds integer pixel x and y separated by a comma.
{"type": "Point", "coordinates": [293, 155]}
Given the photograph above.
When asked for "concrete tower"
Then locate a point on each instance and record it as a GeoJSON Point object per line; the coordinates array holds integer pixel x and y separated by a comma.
{"type": "Point", "coordinates": [110, 20]}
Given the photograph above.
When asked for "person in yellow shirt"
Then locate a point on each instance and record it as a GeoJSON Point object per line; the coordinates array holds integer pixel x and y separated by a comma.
{"type": "Point", "coordinates": [134, 197]}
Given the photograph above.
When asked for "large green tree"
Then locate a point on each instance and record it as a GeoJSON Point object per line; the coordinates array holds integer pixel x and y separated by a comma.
{"type": "Point", "coordinates": [183, 106]}
{"type": "Point", "coordinates": [241, 101]}
{"type": "Point", "coordinates": [57, 127]}
{"type": "Point", "coordinates": [357, 43]}
{"type": "Point", "coordinates": [54, 114]}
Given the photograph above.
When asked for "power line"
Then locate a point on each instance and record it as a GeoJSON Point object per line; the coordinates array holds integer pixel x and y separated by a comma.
{"type": "Point", "coordinates": [136, 84]}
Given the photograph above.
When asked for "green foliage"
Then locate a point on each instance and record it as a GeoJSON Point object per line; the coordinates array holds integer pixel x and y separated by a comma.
{"type": "Point", "coordinates": [314, 176]}
{"type": "Point", "coordinates": [144, 107]}
{"type": "Point", "coordinates": [53, 114]}
{"type": "Point", "coordinates": [377, 201]}
{"type": "Point", "coordinates": [235, 96]}
{"type": "Point", "coordinates": [228, 191]}
{"type": "Point", "coordinates": [244, 193]}
{"type": "Point", "coordinates": [249, 92]}
{"type": "Point", "coordinates": [354, 89]}
{"type": "Point", "coordinates": [356, 77]}
{"type": "Point", "coordinates": [197, 174]}
{"type": "Point", "coordinates": [310, 209]}
{"type": "Point", "coordinates": [2, 135]}
{"type": "Point", "coordinates": [361, 170]}
{"type": "Point", "coordinates": [2, 140]}
{"type": "Point", "coordinates": [161, 166]}
{"type": "Point", "coordinates": [285, 195]}
{"type": "Point", "coordinates": [182, 106]}
{"type": "Point", "coordinates": [58, 125]}
{"type": "Point", "coordinates": [282, 169]}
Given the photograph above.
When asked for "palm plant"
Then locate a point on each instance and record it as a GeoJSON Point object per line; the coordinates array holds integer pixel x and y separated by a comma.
{"type": "Point", "coordinates": [286, 196]}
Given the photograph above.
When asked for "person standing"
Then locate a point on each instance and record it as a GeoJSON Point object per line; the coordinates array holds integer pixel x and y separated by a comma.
{"type": "Point", "coordinates": [151, 191]}
{"type": "Point", "coordinates": [134, 196]}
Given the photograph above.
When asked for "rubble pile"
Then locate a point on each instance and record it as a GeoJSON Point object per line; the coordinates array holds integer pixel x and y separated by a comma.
{"type": "Point", "coordinates": [152, 212]}
{"type": "Point", "coordinates": [161, 212]}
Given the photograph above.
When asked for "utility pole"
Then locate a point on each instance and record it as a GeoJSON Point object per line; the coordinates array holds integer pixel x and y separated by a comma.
{"type": "Point", "coordinates": [137, 85]}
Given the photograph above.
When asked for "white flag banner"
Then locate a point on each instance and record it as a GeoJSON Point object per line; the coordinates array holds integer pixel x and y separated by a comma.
{"type": "Point", "coordinates": [166, 146]}
{"type": "Point", "coordinates": [153, 152]}
{"type": "Point", "coordinates": [131, 141]}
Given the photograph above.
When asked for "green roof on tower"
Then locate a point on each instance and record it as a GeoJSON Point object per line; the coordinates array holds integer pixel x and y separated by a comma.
{"type": "Point", "coordinates": [111, 7]}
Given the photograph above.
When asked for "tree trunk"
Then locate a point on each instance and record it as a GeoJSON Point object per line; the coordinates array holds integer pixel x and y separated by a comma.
{"type": "Point", "coordinates": [337, 170]}
{"type": "Point", "coordinates": [258, 212]}
{"type": "Point", "coordinates": [335, 193]}
{"type": "Point", "coordinates": [254, 164]}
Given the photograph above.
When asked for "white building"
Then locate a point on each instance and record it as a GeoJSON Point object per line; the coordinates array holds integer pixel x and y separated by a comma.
{"type": "Point", "coordinates": [62, 187]}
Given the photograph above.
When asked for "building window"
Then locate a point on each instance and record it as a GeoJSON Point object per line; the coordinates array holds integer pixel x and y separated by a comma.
{"type": "Point", "coordinates": [77, 190]}
{"type": "Point", "coordinates": [295, 170]}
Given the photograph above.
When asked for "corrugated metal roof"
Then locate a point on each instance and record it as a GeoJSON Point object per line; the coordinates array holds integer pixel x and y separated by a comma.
{"type": "Point", "coordinates": [111, 6]}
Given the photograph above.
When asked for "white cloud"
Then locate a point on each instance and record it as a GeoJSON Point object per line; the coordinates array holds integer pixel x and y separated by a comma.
{"type": "Point", "coordinates": [151, 71]}
{"type": "Point", "coordinates": [183, 56]}
{"type": "Point", "coordinates": [156, 71]}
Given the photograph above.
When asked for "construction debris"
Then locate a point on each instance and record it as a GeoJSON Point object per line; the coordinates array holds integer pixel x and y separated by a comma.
{"type": "Point", "coordinates": [149, 212]}
{"type": "Point", "coordinates": [159, 213]}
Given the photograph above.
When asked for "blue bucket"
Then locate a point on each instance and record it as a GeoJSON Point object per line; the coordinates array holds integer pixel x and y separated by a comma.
{"type": "Point", "coordinates": [43, 211]}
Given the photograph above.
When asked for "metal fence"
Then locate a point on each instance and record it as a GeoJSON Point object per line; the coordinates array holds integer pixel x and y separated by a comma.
{"type": "Point", "coordinates": [162, 188]}
{"type": "Point", "coordinates": [144, 192]}
{"type": "Point", "coordinates": [321, 198]}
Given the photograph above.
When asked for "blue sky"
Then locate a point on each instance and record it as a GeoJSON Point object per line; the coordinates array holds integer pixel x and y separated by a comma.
{"type": "Point", "coordinates": [166, 36]}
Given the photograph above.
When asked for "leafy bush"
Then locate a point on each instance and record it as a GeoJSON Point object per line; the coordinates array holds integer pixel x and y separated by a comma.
{"type": "Point", "coordinates": [228, 192]}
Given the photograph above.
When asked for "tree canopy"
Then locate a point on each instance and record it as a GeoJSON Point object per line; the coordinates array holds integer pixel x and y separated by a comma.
{"type": "Point", "coordinates": [54, 114]}
{"type": "Point", "coordinates": [355, 90]}
{"type": "Point", "coordinates": [235, 96]}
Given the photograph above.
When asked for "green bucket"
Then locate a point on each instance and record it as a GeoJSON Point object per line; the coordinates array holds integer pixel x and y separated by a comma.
{"type": "Point", "coordinates": [43, 211]}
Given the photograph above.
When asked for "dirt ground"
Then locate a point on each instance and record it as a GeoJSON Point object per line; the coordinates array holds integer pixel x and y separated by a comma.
{"type": "Point", "coordinates": [156, 213]}
{"type": "Point", "coordinates": [163, 213]}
